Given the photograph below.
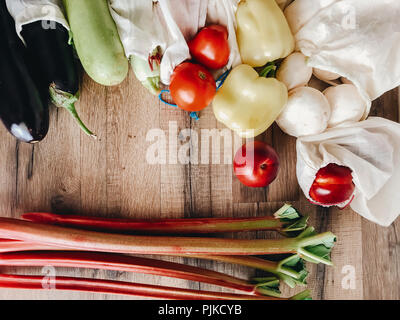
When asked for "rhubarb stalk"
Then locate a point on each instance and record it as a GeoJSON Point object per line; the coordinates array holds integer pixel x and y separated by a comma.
{"type": "Point", "coordinates": [17, 245]}
{"type": "Point", "coordinates": [286, 220]}
{"type": "Point", "coordinates": [308, 244]}
{"type": "Point", "coordinates": [105, 261]}
{"type": "Point", "coordinates": [290, 270]}
{"type": "Point", "coordinates": [128, 288]}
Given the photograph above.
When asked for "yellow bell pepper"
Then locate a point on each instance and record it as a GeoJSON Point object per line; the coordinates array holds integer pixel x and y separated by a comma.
{"type": "Point", "coordinates": [263, 33]}
{"type": "Point", "coordinates": [247, 103]}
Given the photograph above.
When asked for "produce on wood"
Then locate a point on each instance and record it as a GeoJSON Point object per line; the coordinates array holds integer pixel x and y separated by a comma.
{"type": "Point", "coordinates": [123, 263]}
{"type": "Point", "coordinates": [24, 107]}
{"type": "Point", "coordinates": [256, 164]}
{"type": "Point", "coordinates": [290, 270]}
{"type": "Point", "coordinates": [286, 220]}
{"type": "Point", "coordinates": [50, 54]}
{"type": "Point", "coordinates": [306, 244]}
{"type": "Point", "coordinates": [128, 288]}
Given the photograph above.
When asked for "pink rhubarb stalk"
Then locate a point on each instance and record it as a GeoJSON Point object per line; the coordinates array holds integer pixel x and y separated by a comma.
{"type": "Point", "coordinates": [126, 288]}
{"type": "Point", "coordinates": [286, 220]}
{"type": "Point", "coordinates": [77, 239]}
{"type": "Point", "coordinates": [106, 261]}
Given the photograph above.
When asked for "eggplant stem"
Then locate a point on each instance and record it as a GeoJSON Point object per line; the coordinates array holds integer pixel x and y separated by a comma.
{"type": "Point", "coordinates": [67, 101]}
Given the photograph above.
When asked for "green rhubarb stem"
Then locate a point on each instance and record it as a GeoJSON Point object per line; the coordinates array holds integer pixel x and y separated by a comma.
{"type": "Point", "coordinates": [291, 270]}
{"type": "Point", "coordinates": [304, 295]}
{"type": "Point", "coordinates": [268, 287]}
{"type": "Point", "coordinates": [76, 239]}
{"type": "Point", "coordinates": [67, 101]}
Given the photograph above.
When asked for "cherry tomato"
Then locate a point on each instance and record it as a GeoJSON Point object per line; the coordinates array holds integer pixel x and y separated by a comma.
{"type": "Point", "coordinates": [210, 47]}
{"type": "Point", "coordinates": [192, 87]}
{"type": "Point", "coordinates": [256, 164]}
{"type": "Point", "coordinates": [333, 184]}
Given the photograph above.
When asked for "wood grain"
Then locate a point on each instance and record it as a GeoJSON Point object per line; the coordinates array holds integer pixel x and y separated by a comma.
{"type": "Point", "coordinates": [71, 173]}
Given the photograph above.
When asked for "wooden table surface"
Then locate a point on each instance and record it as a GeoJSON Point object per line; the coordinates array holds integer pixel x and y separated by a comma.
{"type": "Point", "coordinates": [71, 173]}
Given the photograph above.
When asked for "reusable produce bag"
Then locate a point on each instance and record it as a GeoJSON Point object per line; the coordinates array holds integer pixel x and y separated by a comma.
{"type": "Point", "coordinates": [28, 11]}
{"type": "Point", "coordinates": [371, 148]}
{"type": "Point", "coordinates": [143, 25]}
{"type": "Point", "coordinates": [359, 40]}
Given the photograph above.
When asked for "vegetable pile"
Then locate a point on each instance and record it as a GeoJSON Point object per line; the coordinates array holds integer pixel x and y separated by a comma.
{"type": "Point", "coordinates": [87, 242]}
{"type": "Point", "coordinates": [270, 83]}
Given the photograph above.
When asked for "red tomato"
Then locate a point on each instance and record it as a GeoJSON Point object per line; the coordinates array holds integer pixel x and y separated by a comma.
{"type": "Point", "coordinates": [332, 185]}
{"type": "Point", "coordinates": [210, 47]}
{"type": "Point", "coordinates": [256, 164]}
{"type": "Point", "coordinates": [192, 87]}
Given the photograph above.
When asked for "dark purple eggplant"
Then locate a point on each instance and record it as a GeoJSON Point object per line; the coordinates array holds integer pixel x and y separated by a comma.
{"type": "Point", "coordinates": [49, 52]}
{"type": "Point", "coordinates": [23, 97]}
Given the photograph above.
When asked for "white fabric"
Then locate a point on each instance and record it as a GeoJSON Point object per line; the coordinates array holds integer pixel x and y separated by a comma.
{"type": "Point", "coordinates": [139, 25]}
{"type": "Point", "coordinates": [143, 25]}
{"type": "Point", "coordinates": [28, 11]}
{"type": "Point", "coordinates": [359, 40]}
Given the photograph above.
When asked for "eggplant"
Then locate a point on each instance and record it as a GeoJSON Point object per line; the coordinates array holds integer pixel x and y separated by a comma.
{"type": "Point", "coordinates": [23, 97]}
{"type": "Point", "coordinates": [50, 53]}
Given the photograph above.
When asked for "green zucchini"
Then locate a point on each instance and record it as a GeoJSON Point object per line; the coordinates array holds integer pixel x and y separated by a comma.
{"type": "Point", "coordinates": [96, 40]}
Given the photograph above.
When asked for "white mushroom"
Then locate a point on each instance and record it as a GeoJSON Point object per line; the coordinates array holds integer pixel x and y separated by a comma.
{"type": "Point", "coordinates": [294, 71]}
{"type": "Point", "coordinates": [346, 103]}
{"type": "Point", "coordinates": [345, 80]}
{"type": "Point", "coordinates": [325, 75]}
{"type": "Point", "coordinates": [307, 112]}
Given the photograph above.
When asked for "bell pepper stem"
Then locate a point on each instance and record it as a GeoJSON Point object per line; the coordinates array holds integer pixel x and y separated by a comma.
{"type": "Point", "coordinates": [268, 71]}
